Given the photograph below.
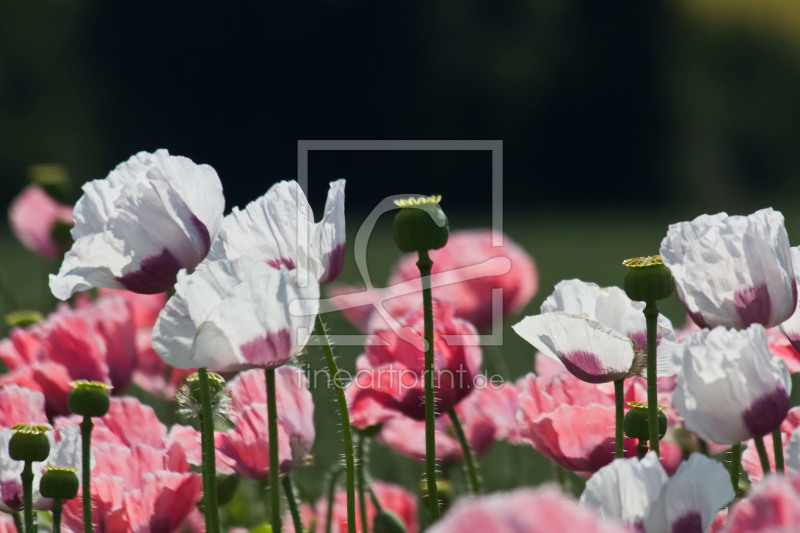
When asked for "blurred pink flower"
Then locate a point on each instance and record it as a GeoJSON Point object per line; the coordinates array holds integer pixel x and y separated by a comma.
{"type": "Point", "coordinates": [750, 461]}
{"type": "Point", "coordinates": [771, 506]}
{"type": "Point", "coordinates": [389, 375]}
{"type": "Point", "coordinates": [140, 479]}
{"type": "Point", "coordinates": [487, 415]}
{"type": "Point", "coordinates": [279, 228]}
{"type": "Point", "coordinates": [96, 342]}
{"type": "Point", "coordinates": [152, 216]}
{"type": "Point", "coordinates": [391, 497]}
{"type": "Point", "coordinates": [525, 510]}
{"type": "Point", "coordinates": [465, 272]}
{"type": "Point", "coordinates": [32, 217]}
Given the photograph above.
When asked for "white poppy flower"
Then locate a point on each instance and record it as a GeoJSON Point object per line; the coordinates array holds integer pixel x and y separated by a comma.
{"type": "Point", "coordinates": [589, 350]}
{"type": "Point", "coordinates": [279, 229]}
{"type": "Point", "coordinates": [791, 326]}
{"type": "Point", "coordinates": [238, 313]}
{"type": "Point", "coordinates": [611, 307]}
{"type": "Point", "coordinates": [729, 388]}
{"type": "Point", "coordinates": [689, 501]}
{"type": "Point", "coordinates": [732, 271]}
{"type": "Point", "coordinates": [626, 488]}
{"type": "Point", "coordinates": [792, 453]}
{"type": "Point", "coordinates": [152, 216]}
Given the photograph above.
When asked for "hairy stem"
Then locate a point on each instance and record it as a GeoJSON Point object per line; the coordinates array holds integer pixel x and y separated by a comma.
{"type": "Point", "coordinates": [736, 465]}
{"type": "Point", "coordinates": [274, 466]}
{"type": "Point", "coordinates": [619, 399]}
{"type": "Point", "coordinates": [651, 318]}
{"type": "Point", "coordinates": [777, 448]}
{"type": "Point", "coordinates": [86, 473]}
{"type": "Point", "coordinates": [288, 489]}
{"type": "Point", "coordinates": [27, 495]}
{"type": "Point", "coordinates": [469, 461]}
{"type": "Point", "coordinates": [762, 455]}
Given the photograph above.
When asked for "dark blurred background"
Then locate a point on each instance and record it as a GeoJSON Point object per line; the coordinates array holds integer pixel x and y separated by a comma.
{"type": "Point", "coordinates": [599, 104]}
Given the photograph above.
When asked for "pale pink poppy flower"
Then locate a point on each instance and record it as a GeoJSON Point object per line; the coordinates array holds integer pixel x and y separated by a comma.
{"type": "Point", "coordinates": [141, 479]}
{"type": "Point", "coordinates": [729, 388]}
{"type": "Point", "coordinates": [732, 271]}
{"type": "Point", "coordinates": [244, 449]}
{"type": "Point", "coordinates": [152, 216]}
{"type": "Point", "coordinates": [771, 506]}
{"type": "Point", "coordinates": [33, 215]}
{"type": "Point", "coordinates": [791, 326]}
{"type": "Point", "coordinates": [96, 342]}
{"type": "Point", "coordinates": [233, 314]}
{"type": "Point", "coordinates": [750, 461]}
{"type": "Point", "coordinates": [718, 525]}
{"type": "Point", "coordinates": [466, 272]}
{"type": "Point", "coordinates": [391, 497]}
{"type": "Point", "coordinates": [524, 510]}
{"type": "Point", "coordinates": [7, 524]}
{"type": "Point", "coordinates": [390, 373]}
{"type": "Point", "coordinates": [278, 228]}
{"type": "Point", "coordinates": [780, 346]}
{"type": "Point", "coordinates": [487, 415]}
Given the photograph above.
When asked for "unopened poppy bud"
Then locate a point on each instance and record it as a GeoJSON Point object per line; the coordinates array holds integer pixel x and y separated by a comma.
{"type": "Point", "coordinates": [89, 398]}
{"type": "Point", "coordinates": [59, 483]}
{"type": "Point", "coordinates": [388, 522]}
{"type": "Point", "coordinates": [189, 402]}
{"type": "Point", "coordinates": [648, 279]}
{"type": "Point", "coordinates": [29, 442]}
{"type": "Point", "coordinates": [23, 319]}
{"type": "Point", "coordinates": [421, 224]}
{"type": "Point", "coordinates": [636, 422]}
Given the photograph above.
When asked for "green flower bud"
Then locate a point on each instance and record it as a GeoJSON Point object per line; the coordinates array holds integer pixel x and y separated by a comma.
{"type": "Point", "coordinates": [648, 279]}
{"type": "Point", "coordinates": [29, 442]}
{"type": "Point", "coordinates": [89, 398]}
{"type": "Point", "coordinates": [23, 319]}
{"type": "Point", "coordinates": [421, 224]}
{"type": "Point", "coordinates": [388, 522]}
{"type": "Point", "coordinates": [637, 425]}
{"type": "Point", "coordinates": [59, 483]}
{"type": "Point", "coordinates": [190, 404]}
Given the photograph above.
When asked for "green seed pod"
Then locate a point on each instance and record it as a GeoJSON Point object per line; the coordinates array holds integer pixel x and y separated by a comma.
{"type": "Point", "coordinates": [89, 398]}
{"type": "Point", "coordinates": [648, 279]}
{"type": "Point", "coordinates": [59, 483]}
{"type": "Point", "coordinates": [421, 224]}
{"type": "Point", "coordinates": [388, 522]}
{"type": "Point", "coordinates": [29, 442]}
{"type": "Point", "coordinates": [636, 423]}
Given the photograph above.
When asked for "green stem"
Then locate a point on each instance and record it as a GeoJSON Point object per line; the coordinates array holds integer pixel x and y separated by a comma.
{"type": "Point", "coordinates": [375, 501]}
{"type": "Point", "coordinates": [347, 435]}
{"type": "Point", "coordinates": [27, 492]}
{"type": "Point", "coordinates": [702, 445]}
{"type": "Point", "coordinates": [641, 449]}
{"type": "Point", "coordinates": [777, 447]}
{"type": "Point", "coordinates": [651, 318]}
{"type": "Point", "coordinates": [619, 398]}
{"type": "Point", "coordinates": [86, 473]}
{"type": "Point", "coordinates": [425, 265]}
{"type": "Point", "coordinates": [736, 465]}
{"type": "Point", "coordinates": [762, 455]}
{"type": "Point", "coordinates": [472, 471]}
{"type": "Point", "coordinates": [274, 461]}
{"type": "Point", "coordinates": [362, 500]}
{"type": "Point", "coordinates": [209, 454]}
{"type": "Point", "coordinates": [331, 495]}
{"type": "Point", "coordinates": [288, 489]}
{"type": "Point", "coordinates": [56, 516]}
{"type": "Point", "coordinates": [561, 477]}
{"type": "Point", "coordinates": [18, 523]}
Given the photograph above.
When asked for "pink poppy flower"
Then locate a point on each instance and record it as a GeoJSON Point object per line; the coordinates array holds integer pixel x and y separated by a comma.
{"type": "Point", "coordinates": [244, 449]}
{"type": "Point", "coordinates": [391, 497]}
{"type": "Point", "coordinates": [152, 216]}
{"type": "Point", "coordinates": [141, 479]}
{"type": "Point", "coordinates": [732, 271]}
{"type": "Point", "coordinates": [791, 326]}
{"type": "Point", "coordinates": [487, 415]}
{"type": "Point", "coordinates": [524, 510]}
{"type": "Point", "coordinates": [771, 506]}
{"type": "Point", "coordinates": [279, 228]}
{"type": "Point", "coordinates": [750, 461]}
{"type": "Point", "coordinates": [389, 376]}
{"type": "Point", "coordinates": [233, 314]}
{"type": "Point", "coordinates": [33, 215]}
{"type": "Point", "coordinates": [96, 342]}
{"type": "Point", "coordinates": [466, 272]}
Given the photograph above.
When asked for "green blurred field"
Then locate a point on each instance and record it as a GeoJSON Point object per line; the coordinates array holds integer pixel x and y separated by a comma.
{"type": "Point", "coordinates": [589, 246]}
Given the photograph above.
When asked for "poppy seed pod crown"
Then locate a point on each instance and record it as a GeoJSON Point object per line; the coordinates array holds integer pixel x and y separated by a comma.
{"type": "Point", "coordinates": [59, 483]}
{"type": "Point", "coordinates": [421, 224]}
{"type": "Point", "coordinates": [29, 442]}
{"type": "Point", "coordinates": [89, 398]}
{"type": "Point", "coordinates": [648, 279]}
